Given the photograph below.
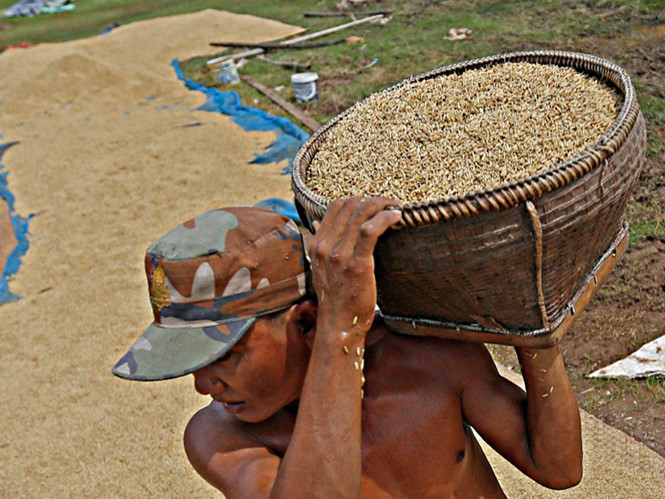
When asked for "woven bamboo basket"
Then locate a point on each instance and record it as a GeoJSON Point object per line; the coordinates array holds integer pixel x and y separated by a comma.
{"type": "Point", "coordinates": [515, 264]}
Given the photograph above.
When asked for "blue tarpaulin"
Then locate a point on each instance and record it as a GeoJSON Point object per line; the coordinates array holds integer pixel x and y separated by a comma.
{"type": "Point", "coordinates": [286, 145]}
{"type": "Point", "coordinates": [289, 136]}
{"type": "Point", "coordinates": [20, 227]}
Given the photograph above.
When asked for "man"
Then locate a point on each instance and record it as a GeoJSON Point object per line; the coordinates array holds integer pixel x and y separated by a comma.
{"type": "Point", "coordinates": [313, 396]}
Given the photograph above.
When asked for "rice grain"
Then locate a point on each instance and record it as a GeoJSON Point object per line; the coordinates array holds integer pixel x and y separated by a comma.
{"type": "Point", "coordinates": [461, 133]}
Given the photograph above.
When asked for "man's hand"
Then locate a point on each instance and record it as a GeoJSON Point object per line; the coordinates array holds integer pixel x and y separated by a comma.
{"type": "Point", "coordinates": [343, 264]}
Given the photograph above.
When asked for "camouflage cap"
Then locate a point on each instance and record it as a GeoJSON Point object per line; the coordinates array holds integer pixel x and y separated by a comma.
{"type": "Point", "coordinates": [209, 279]}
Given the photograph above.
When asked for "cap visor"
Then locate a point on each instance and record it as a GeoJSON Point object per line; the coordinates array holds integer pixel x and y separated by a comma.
{"type": "Point", "coordinates": [164, 353]}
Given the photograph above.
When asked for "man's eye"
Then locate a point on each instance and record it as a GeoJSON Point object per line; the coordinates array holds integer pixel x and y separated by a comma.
{"type": "Point", "coordinates": [225, 356]}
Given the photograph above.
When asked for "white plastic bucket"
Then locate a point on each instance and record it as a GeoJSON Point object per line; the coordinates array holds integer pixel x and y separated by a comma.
{"type": "Point", "coordinates": [305, 87]}
{"type": "Point", "coordinates": [226, 73]}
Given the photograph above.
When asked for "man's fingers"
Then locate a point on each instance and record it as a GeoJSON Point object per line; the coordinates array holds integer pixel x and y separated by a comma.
{"type": "Point", "coordinates": [361, 211]}
{"type": "Point", "coordinates": [347, 214]}
{"type": "Point", "coordinates": [331, 212]}
{"type": "Point", "coordinates": [342, 229]}
{"type": "Point", "coordinates": [364, 209]}
{"type": "Point", "coordinates": [331, 230]}
{"type": "Point", "coordinates": [371, 230]}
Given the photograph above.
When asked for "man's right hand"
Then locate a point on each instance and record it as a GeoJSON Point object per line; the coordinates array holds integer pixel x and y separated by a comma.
{"type": "Point", "coordinates": [342, 259]}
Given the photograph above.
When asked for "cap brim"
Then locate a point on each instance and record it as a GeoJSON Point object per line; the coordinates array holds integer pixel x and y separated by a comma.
{"type": "Point", "coordinates": [164, 353]}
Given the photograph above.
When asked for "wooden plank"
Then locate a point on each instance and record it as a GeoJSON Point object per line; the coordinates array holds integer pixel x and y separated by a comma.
{"type": "Point", "coordinates": [299, 114]}
{"type": "Point", "coordinates": [274, 46]}
{"type": "Point", "coordinates": [346, 14]}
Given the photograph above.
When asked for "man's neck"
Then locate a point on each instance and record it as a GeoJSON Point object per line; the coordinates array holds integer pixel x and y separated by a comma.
{"type": "Point", "coordinates": [377, 332]}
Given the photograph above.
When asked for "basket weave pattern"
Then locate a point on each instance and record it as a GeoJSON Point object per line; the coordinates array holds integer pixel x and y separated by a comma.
{"type": "Point", "coordinates": [507, 259]}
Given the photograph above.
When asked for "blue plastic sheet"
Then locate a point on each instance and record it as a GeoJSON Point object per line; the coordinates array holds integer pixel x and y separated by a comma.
{"type": "Point", "coordinates": [20, 227]}
{"type": "Point", "coordinates": [289, 136]}
{"type": "Point", "coordinates": [281, 206]}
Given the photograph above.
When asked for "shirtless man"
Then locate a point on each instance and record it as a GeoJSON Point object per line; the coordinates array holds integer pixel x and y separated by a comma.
{"type": "Point", "coordinates": [318, 399]}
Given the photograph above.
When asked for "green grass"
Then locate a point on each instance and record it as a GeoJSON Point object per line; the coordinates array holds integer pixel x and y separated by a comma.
{"type": "Point", "coordinates": [617, 388]}
{"type": "Point", "coordinates": [655, 147]}
{"type": "Point", "coordinates": [653, 108]}
{"type": "Point", "coordinates": [613, 389]}
{"type": "Point", "coordinates": [646, 220]}
{"type": "Point", "coordinates": [651, 97]}
{"type": "Point", "coordinates": [656, 385]}
{"type": "Point", "coordinates": [642, 229]}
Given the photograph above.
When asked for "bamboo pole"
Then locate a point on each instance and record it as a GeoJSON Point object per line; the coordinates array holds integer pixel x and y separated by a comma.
{"type": "Point", "coordinates": [286, 43]}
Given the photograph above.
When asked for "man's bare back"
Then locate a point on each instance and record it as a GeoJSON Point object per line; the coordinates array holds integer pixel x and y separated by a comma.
{"type": "Point", "coordinates": [326, 402]}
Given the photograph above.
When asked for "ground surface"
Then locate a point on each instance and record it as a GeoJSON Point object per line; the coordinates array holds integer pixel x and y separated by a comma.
{"type": "Point", "coordinates": [109, 159]}
{"type": "Point", "coordinates": [66, 429]}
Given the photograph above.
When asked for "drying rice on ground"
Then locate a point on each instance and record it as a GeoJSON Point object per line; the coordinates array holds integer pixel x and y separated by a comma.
{"type": "Point", "coordinates": [453, 135]}
{"type": "Point", "coordinates": [106, 164]}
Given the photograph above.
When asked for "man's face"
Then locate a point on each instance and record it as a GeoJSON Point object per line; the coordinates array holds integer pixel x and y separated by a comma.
{"type": "Point", "coordinates": [261, 374]}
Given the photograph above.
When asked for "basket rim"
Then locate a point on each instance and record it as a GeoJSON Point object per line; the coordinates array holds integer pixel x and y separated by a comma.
{"type": "Point", "coordinates": [511, 193]}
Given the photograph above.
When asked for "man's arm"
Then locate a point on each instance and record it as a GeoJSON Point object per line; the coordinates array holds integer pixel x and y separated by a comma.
{"type": "Point", "coordinates": [323, 457]}
{"type": "Point", "coordinates": [538, 432]}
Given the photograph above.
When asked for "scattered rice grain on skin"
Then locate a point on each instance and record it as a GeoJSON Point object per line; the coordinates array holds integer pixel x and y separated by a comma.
{"type": "Point", "coordinates": [453, 135]}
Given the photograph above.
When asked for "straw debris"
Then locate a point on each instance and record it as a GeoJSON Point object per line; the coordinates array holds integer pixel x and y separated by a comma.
{"type": "Point", "coordinates": [457, 134]}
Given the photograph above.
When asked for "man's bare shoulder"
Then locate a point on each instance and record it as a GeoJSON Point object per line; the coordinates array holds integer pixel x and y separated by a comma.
{"type": "Point", "coordinates": [459, 361]}
{"type": "Point", "coordinates": [240, 459]}
{"type": "Point", "coordinates": [212, 429]}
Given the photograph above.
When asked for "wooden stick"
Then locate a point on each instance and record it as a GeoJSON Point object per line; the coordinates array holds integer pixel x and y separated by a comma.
{"type": "Point", "coordinates": [273, 46]}
{"type": "Point", "coordinates": [612, 12]}
{"type": "Point", "coordinates": [345, 14]}
{"type": "Point", "coordinates": [299, 114]}
{"type": "Point", "coordinates": [285, 64]}
{"type": "Point", "coordinates": [293, 41]}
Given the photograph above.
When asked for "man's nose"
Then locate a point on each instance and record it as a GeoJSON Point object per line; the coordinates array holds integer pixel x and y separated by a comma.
{"type": "Point", "coordinates": [207, 381]}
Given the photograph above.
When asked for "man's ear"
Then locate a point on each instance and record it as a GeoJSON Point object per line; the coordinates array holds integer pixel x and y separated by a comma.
{"type": "Point", "coordinates": [304, 316]}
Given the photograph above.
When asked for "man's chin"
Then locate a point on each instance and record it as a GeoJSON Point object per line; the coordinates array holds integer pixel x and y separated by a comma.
{"type": "Point", "coordinates": [246, 414]}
